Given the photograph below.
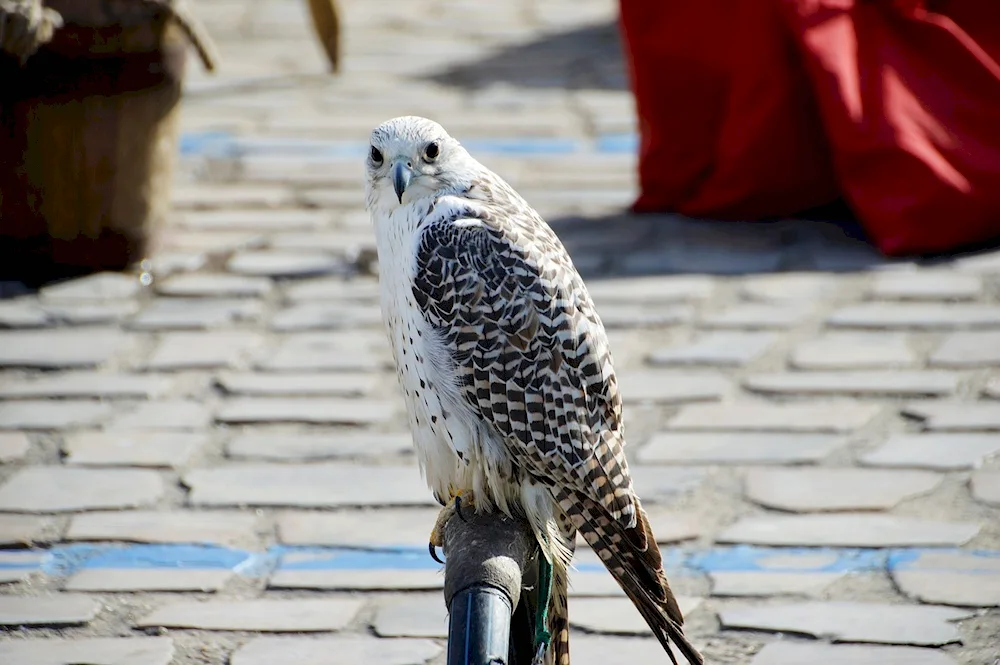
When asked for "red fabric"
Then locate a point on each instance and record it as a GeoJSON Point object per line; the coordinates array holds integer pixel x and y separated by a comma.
{"type": "Point", "coordinates": [761, 108]}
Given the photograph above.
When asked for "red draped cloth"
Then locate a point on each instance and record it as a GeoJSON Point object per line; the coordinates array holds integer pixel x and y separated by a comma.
{"type": "Point", "coordinates": [763, 108]}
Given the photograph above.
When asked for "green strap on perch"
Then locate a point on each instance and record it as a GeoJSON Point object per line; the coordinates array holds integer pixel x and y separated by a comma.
{"type": "Point", "coordinates": [544, 594]}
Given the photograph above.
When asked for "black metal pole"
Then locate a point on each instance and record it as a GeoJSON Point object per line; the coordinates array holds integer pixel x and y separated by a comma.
{"type": "Point", "coordinates": [486, 556]}
{"type": "Point", "coordinates": [479, 626]}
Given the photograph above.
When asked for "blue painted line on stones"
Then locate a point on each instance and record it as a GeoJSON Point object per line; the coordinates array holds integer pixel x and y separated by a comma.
{"type": "Point", "coordinates": [537, 146]}
{"type": "Point", "coordinates": [618, 143]}
{"type": "Point", "coordinates": [65, 560]}
{"type": "Point", "coordinates": [321, 558]}
{"type": "Point", "coordinates": [214, 144]}
{"type": "Point", "coordinates": [747, 558]}
{"type": "Point", "coordinates": [220, 144]}
{"type": "Point", "coordinates": [68, 559]}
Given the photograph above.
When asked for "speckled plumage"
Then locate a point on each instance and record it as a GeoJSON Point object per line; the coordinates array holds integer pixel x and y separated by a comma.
{"type": "Point", "coordinates": [505, 365]}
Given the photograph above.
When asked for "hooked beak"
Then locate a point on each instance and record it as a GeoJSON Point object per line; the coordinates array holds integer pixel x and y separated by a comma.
{"type": "Point", "coordinates": [401, 176]}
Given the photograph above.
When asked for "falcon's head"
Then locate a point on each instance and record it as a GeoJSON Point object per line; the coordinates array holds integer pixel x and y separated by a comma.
{"type": "Point", "coordinates": [411, 158]}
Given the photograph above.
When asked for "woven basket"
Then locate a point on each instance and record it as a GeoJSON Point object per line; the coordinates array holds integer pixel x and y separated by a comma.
{"type": "Point", "coordinates": [88, 136]}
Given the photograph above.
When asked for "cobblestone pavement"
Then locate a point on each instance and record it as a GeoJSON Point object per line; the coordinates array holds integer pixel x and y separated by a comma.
{"type": "Point", "coordinates": [212, 466]}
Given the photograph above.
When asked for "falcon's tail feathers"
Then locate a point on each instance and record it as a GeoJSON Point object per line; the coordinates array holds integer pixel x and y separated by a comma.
{"type": "Point", "coordinates": [634, 561]}
{"type": "Point", "coordinates": [559, 615]}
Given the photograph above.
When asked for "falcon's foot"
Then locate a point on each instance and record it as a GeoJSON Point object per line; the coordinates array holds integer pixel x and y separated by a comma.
{"type": "Point", "coordinates": [461, 501]}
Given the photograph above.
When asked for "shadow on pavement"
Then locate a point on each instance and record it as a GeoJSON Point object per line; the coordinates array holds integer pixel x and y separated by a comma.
{"type": "Point", "coordinates": [629, 245]}
{"type": "Point", "coordinates": [585, 58]}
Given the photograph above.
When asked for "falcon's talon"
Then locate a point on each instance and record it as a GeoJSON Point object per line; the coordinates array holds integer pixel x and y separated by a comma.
{"type": "Point", "coordinates": [432, 548]}
{"type": "Point", "coordinates": [458, 508]}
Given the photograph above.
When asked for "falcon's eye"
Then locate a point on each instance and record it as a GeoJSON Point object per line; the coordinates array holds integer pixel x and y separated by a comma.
{"type": "Point", "coordinates": [376, 156]}
{"type": "Point", "coordinates": [432, 151]}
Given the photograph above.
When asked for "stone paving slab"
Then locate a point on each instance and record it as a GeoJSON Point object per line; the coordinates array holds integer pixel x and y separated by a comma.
{"type": "Point", "coordinates": [43, 415]}
{"type": "Point", "coordinates": [254, 220]}
{"type": "Point", "coordinates": [949, 416]}
{"type": "Point", "coordinates": [349, 648]}
{"type": "Point", "coordinates": [852, 622]}
{"type": "Point", "coordinates": [910, 384]}
{"type": "Point", "coordinates": [985, 486]}
{"type": "Point", "coordinates": [736, 448]}
{"type": "Point", "coordinates": [142, 448]}
{"type": "Point", "coordinates": [315, 485]}
{"type": "Point", "coordinates": [283, 264]}
{"type": "Point", "coordinates": [333, 289]}
{"type": "Point", "coordinates": [950, 578]}
{"type": "Point", "coordinates": [104, 580]}
{"type": "Point", "coordinates": [798, 653]}
{"type": "Point", "coordinates": [195, 313]}
{"type": "Point", "coordinates": [925, 285]}
{"type": "Point", "coordinates": [853, 351]}
{"type": "Point", "coordinates": [749, 584]}
{"type": "Point", "coordinates": [322, 316]}
{"type": "Point", "coordinates": [417, 615]}
{"type": "Point", "coordinates": [208, 285]}
{"type": "Point", "coordinates": [830, 489]}
{"type": "Point", "coordinates": [52, 610]}
{"type": "Point", "coordinates": [93, 651]}
{"type": "Point", "coordinates": [87, 384]}
{"type": "Point", "coordinates": [207, 197]}
{"type": "Point", "coordinates": [633, 315]}
{"type": "Point", "coordinates": [174, 526]}
{"type": "Point", "coordinates": [101, 286]}
{"type": "Point", "coordinates": [656, 484]}
{"type": "Point", "coordinates": [583, 584]}
{"type": "Point", "coordinates": [806, 417]}
{"type": "Point", "coordinates": [23, 313]}
{"type": "Point", "coordinates": [749, 316]}
{"type": "Point", "coordinates": [968, 349]}
{"type": "Point", "coordinates": [671, 526]}
{"type": "Point", "coordinates": [90, 314]}
{"type": "Point", "coordinates": [300, 615]}
{"type": "Point", "coordinates": [718, 349]}
{"type": "Point", "coordinates": [341, 384]}
{"type": "Point", "coordinates": [617, 616]}
{"type": "Point", "coordinates": [847, 530]}
{"type": "Point", "coordinates": [992, 388]}
{"type": "Point", "coordinates": [51, 489]}
{"type": "Point", "coordinates": [601, 650]}
{"type": "Point", "coordinates": [21, 530]}
{"type": "Point", "coordinates": [332, 444]}
{"type": "Point", "coordinates": [386, 579]}
{"type": "Point", "coordinates": [666, 387]}
{"type": "Point", "coordinates": [409, 527]}
{"type": "Point", "coordinates": [205, 350]}
{"type": "Point", "coordinates": [916, 316]}
{"type": "Point", "coordinates": [661, 289]}
{"type": "Point", "coordinates": [164, 415]}
{"type": "Point", "coordinates": [311, 410]}
{"type": "Point", "coordinates": [723, 259]}
{"type": "Point", "coordinates": [787, 286]}
{"type": "Point", "coordinates": [309, 352]}
{"type": "Point", "coordinates": [944, 452]}
{"type": "Point", "coordinates": [13, 446]}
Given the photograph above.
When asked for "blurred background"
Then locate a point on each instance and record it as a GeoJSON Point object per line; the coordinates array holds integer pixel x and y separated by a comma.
{"type": "Point", "coordinates": [203, 456]}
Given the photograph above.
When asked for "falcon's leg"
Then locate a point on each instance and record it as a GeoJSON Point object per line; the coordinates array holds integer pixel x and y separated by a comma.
{"type": "Point", "coordinates": [459, 501]}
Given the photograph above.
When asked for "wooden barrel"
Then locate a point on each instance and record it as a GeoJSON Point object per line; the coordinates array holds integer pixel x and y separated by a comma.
{"type": "Point", "coordinates": [88, 136]}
